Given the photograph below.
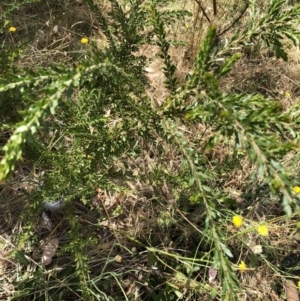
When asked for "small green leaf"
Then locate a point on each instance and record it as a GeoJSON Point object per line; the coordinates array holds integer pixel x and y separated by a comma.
{"type": "Point", "coordinates": [151, 258]}
{"type": "Point", "coordinates": [226, 250]}
{"type": "Point", "coordinates": [20, 255]}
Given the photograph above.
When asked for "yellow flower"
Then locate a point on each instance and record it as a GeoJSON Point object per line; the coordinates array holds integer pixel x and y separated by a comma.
{"type": "Point", "coordinates": [298, 285]}
{"type": "Point", "coordinates": [287, 94]}
{"type": "Point", "coordinates": [187, 26]}
{"type": "Point", "coordinates": [263, 230]}
{"type": "Point", "coordinates": [242, 267]}
{"type": "Point", "coordinates": [84, 40]}
{"type": "Point", "coordinates": [12, 29]}
{"type": "Point", "coordinates": [296, 189]}
{"type": "Point", "coordinates": [237, 221]}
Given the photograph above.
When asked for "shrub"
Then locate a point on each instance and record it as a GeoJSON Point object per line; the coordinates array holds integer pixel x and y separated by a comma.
{"type": "Point", "coordinates": [91, 125]}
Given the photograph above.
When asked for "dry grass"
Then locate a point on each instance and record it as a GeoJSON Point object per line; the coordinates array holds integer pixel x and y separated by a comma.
{"type": "Point", "coordinates": [136, 212]}
{"type": "Point", "coordinates": [52, 30]}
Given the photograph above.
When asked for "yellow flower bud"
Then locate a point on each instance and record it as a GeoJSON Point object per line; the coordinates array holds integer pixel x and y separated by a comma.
{"type": "Point", "coordinates": [84, 40]}
{"type": "Point", "coordinates": [242, 267]}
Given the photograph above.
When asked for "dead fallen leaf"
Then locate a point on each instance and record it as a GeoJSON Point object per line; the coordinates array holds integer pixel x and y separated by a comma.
{"type": "Point", "coordinates": [212, 274]}
{"type": "Point", "coordinates": [106, 245]}
{"type": "Point", "coordinates": [46, 221]}
{"type": "Point", "coordinates": [49, 251]}
{"type": "Point", "coordinates": [257, 249]}
{"type": "Point", "coordinates": [291, 291]}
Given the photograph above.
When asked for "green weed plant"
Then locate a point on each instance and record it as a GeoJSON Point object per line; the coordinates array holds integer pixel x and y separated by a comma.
{"type": "Point", "coordinates": [87, 124]}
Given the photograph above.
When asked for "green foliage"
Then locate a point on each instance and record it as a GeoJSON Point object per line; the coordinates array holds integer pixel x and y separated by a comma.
{"type": "Point", "coordinates": [277, 24]}
{"type": "Point", "coordinates": [272, 27]}
{"type": "Point", "coordinates": [89, 122]}
{"type": "Point", "coordinates": [164, 45]}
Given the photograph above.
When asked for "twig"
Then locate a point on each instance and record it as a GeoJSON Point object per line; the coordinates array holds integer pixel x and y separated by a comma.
{"type": "Point", "coordinates": [203, 10]}
{"type": "Point", "coordinates": [235, 21]}
{"type": "Point", "coordinates": [215, 7]}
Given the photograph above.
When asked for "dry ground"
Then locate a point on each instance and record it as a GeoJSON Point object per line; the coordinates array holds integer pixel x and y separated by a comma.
{"type": "Point", "coordinates": [141, 216]}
